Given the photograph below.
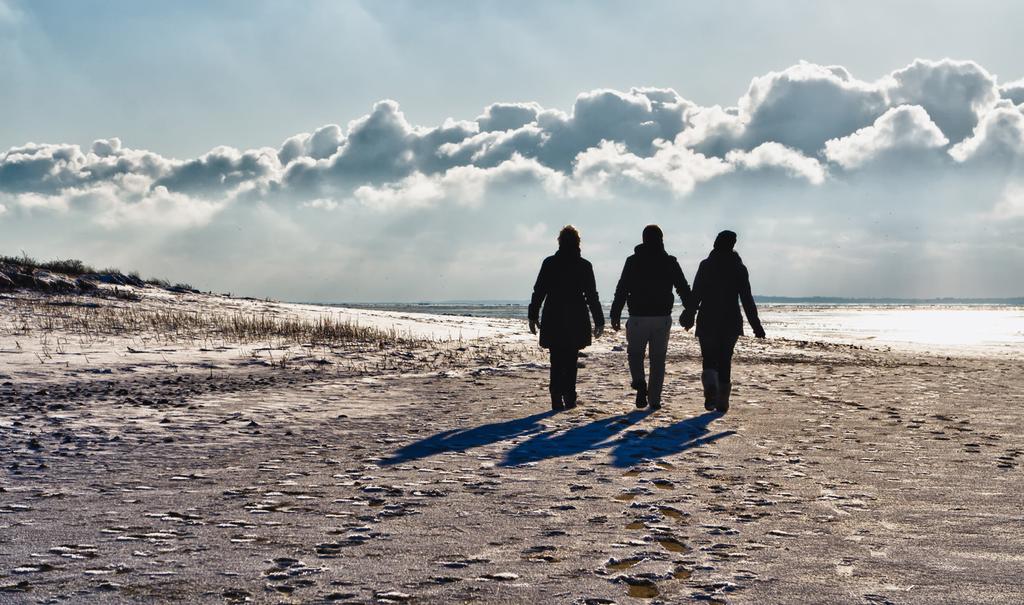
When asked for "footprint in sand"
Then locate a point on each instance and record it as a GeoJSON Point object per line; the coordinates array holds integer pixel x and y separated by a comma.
{"type": "Point", "coordinates": [622, 564]}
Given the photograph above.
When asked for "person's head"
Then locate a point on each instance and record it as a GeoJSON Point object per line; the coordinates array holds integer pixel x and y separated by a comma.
{"type": "Point", "coordinates": [725, 241]}
{"type": "Point", "coordinates": [569, 238]}
{"type": "Point", "coordinates": [653, 235]}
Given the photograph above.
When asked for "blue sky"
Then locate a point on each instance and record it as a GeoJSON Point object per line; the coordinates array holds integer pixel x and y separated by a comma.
{"type": "Point", "coordinates": [344, 151]}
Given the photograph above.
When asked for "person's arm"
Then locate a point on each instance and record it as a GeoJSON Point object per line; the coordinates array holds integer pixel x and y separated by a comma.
{"type": "Point", "coordinates": [749, 308]}
{"type": "Point", "coordinates": [540, 292]}
{"type": "Point", "coordinates": [679, 282]}
{"type": "Point", "coordinates": [593, 301]}
{"type": "Point", "coordinates": [689, 315]}
{"type": "Point", "coordinates": [620, 297]}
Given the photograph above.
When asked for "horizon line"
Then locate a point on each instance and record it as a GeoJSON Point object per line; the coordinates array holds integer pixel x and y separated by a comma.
{"type": "Point", "coordinates": [757, 297]}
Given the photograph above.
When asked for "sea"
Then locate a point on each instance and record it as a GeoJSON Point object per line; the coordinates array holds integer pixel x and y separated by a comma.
{"type": "Point", "coordinates": [943, 328]}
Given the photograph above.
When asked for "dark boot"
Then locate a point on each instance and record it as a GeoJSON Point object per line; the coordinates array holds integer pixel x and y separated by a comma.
{"type": "Point", "coordinates": [556, 403]}
{"type": "Point", "coordinates": [709, 380]}
{"type": "Point", "coordinates": [724, 390]}
{"type": "Point", "coordinates": [570, 400]}
{"type": "Point", "coordinates": [641, 394]}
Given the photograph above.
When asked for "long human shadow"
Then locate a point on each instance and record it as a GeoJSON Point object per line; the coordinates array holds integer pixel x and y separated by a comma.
{"type": "Point", "coordinates": [666, 440]}
{"type": "Point", "coordinates": [460, 440]}
{"type": "Point", "coordinates": [625, 449]}
{"type": "Point", "coordinates": [553, 444]}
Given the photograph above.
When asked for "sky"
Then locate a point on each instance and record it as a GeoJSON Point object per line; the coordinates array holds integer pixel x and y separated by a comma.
{"type": "Point", "coordinates": [405, 151]}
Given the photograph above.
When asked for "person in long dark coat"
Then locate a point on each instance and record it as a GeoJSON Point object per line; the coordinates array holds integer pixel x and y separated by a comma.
{"type": "Point", "coordinates": [721, 279]}
{"type": "Point", "coordinates": [567, 290]}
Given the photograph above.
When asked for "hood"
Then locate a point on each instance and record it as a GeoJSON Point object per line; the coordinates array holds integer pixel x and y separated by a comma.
{"type": "Point", "coordinates": [720, 255]}
{"type": "Point", "coordinates": [650, 249]}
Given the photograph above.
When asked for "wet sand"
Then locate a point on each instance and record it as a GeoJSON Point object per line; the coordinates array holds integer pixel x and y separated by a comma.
{"type": "Point", "coordinates": [840, 475]}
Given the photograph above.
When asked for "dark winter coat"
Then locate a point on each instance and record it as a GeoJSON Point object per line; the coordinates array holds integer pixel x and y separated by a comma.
{"type": "Point", "coordinates": [721, 279]}
{"type": "Point", "coordinates": [566, 287]}
{"type": "Point", "coordinates": [648, 278]}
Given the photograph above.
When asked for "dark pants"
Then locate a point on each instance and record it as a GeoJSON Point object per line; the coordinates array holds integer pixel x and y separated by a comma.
{"type": "Point", "coordinates": [563, 375]}
{"type": "Point", "coordinates": [716, 354]}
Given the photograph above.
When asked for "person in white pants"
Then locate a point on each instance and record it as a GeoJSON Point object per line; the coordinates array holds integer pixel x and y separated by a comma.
{"type": "Point", "coordinates": [646, 284]}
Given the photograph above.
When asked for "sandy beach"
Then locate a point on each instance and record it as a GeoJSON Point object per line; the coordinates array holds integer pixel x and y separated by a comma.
{"type": "Point", "coordinates": [156, 467]}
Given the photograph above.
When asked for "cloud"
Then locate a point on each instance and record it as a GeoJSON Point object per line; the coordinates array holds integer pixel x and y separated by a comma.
{"type": "Point", "coordinates": [46, 168]}
{"type": "Point", "coordinates": [800, 107]}
{"type": "Point", "coordinates": [997, 141]}
{"type": "Point", "coordinates": [222, 169]}
{"type": "Point", "coordinates": [507, 116]}
{"type": "Point", "coordinates": [903, 129]}
{"type": "Point", "coordinates": [804, 123]}
{"type": "Point", "coordinates": [954, 93]}
{"type": "Point", "coordinates": [463, 185]}
{"type": "Point", "coordinates": [1013, 91]}
{"type": "Point", "coordinates": [675, 167]}
{"type": "Point", "coordinates": [776, 156]}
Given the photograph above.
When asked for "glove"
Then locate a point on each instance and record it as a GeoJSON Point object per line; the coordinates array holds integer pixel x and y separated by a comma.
{"type": "Point", "coordinates": [598, 330]}
{"type": "Point", "coordinates": [759, 331]}
{"type": "Point", "coordinates": [686, 319]}
{"type": "Point", "coordinates": [616, 323]}
{"type": "Point", "coordinates": [533, 326]}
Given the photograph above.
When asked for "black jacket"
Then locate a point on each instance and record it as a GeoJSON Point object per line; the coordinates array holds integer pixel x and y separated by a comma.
{"type": "Point", "coordinates": [721, 279]}
{"type": "Point", "coordinates": [646, 284]}
{"type": "Point", "coordinates": [566, 288]}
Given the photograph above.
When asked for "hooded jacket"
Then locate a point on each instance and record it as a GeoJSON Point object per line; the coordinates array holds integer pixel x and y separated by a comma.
{"type": "Point", "coordinates": [567, 290]}
{"type": "Point", "coordinates": [721, 279]}
{"type": "Point", "coordinates": [645, 286]}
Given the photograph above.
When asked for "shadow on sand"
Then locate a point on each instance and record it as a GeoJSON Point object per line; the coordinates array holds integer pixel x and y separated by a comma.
{"type": "Point", "coordinates": [626, 448]}
{"type": "Point", "coordinates": [666, 440]}
{"type": "Point", "coordinates": [460, 440]}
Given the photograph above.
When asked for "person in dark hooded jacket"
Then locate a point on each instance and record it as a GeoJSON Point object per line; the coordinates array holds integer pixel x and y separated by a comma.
{"type": "Point", "coordinates": [646, 284]}
{"type": "Point", "coordinates": [721, 279]}
{"type": "Point", "coordinates": [566, 288]}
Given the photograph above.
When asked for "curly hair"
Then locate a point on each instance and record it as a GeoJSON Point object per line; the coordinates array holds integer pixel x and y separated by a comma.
{"type": "Point", "coordinates": [569, 238]}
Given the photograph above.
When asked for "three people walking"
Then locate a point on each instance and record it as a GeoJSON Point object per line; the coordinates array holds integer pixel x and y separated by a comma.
{"type": "Point", "coordinates": [565, 299]}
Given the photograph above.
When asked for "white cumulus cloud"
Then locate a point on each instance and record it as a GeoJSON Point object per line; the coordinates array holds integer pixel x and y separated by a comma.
{"type": "Point", "coordinates": [796, 122]}
{"type": "Point", "coordinates": [1013, 91]}
{"type": "Point", "coordinates": [998, 139]}
{"type": "Point", "coordinates": [904, 128]}
{"type": "Point", "coordinates": [954, 93]}
{"type": "Point", "coordinates": [772, 155]}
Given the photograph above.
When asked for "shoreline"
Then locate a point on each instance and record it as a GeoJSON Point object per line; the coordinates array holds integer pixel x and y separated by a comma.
{"type": "Point", "coordinates": [1004, 348]}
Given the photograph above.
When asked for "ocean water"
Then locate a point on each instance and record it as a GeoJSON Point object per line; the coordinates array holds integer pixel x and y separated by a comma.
{"type": "Point", "coordinates": [980, 330]}
{"type": "Point", "coordinates": [953, 329]}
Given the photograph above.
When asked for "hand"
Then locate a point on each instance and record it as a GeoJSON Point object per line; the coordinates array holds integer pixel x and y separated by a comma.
{"type": "Point", "coordinates": [598, 330]}
{"type": "Point", "coordinates": [686, 320]}
{"type": "Point", "coordinates": [533, 326]}
{"type": "Point", "coordinates": [759, 332]}
{"type": "Point", "coordinates": [616, 325]}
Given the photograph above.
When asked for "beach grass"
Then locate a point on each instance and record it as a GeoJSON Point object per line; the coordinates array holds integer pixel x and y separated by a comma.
{"type": "Point", "coordinates": [69, 316]}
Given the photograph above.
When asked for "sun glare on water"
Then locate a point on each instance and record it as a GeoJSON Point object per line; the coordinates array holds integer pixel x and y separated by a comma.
{"type": "Point", "coordinates": [938, 329]}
